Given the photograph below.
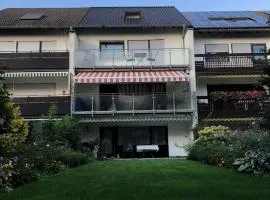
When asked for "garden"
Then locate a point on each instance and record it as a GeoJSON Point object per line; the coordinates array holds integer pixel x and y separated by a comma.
{"type": "Point", "coordinates": [52, 145]}
{"type": "Point", "coordinates": [243, 150]}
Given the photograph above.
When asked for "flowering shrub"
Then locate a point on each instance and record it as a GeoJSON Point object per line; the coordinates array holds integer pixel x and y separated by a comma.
{"type": "Point", "coordinates": [213, 134]}
{"type": "Point", "coordinates": [247, 151]}
{"type": "Point", "coordinates": [237, 95]}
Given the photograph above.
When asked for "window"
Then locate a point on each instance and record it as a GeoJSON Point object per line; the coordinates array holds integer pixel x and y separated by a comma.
{"type": "Point", "coordinates": [32, 89]}
{"type": "Point", "coordinates": [258, 49]}
{"type": "Point", "coordinates": [231, 19]}
{"type": "Point", "coordinates": [133, 15]}
{"type": "Point", "coordinates": [217, 52]}
{"type": "Point", "coordinates": [7, 47]}
{"type": "Point", "coordinates": [48, 46]}
{"type": "Point", "coordinates": [29, 46]}
{"type": "Point", "coordinates": [216, 48]}
{"type": "Point", "coordinates": [32, 16]}
{"type": "Point", "coordinates": [112, 49]}
{"type": "Point", "coordinates": [241, 48]}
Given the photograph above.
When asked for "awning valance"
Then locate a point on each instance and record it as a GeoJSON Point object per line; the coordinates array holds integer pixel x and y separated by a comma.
{"type": "Point", "coordinates": [33, 74]}
{"type": "Point", "coordinates": [132, 77]}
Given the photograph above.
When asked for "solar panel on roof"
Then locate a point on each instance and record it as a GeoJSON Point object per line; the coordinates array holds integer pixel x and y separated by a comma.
{"type": "Point", "coordinates": [227, 19]}
{"type": "Point", "coordinates": [32, 16]}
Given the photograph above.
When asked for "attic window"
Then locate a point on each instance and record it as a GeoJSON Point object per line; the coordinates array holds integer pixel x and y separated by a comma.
{"type": "Point", "coordinates": [232, 19]}
{"type": "Point", "coordinates": [32, 16]}
{"type": "Point", "coordinates": [133, 15]}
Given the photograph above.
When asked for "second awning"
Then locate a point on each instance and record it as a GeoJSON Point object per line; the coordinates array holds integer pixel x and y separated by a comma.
{"type": "Point", "coordinates": [132, 77]}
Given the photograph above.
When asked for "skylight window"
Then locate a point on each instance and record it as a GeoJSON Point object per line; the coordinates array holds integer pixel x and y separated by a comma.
{"type": "Point", "coordinates": [231, 19]}
{"type": "Point", "coordinates": [133, 15]}
{"type": "Point", "coordinates": [32, 16]}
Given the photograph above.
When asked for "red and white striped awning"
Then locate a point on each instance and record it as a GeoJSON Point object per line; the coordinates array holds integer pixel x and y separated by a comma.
{"type": "Point", "coordinates": [132, 77]}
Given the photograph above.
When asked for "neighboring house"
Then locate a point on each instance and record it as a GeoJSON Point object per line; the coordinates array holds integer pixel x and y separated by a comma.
{"type": "Point", "coordinates": [229, 59]}
{"type": "Point", "coordinates": [128, 73]}
{"type": "Point", "coordinates": [34, 54]}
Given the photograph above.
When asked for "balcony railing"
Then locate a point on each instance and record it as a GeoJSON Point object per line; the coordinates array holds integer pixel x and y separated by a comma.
{"type": "Point", "coordinates": [131, 104]}
{"type": "Point", "coordinates": [230, 62]}
{"type": "Point", "coordinates": [130, 59]}
{"type": "Point", "coordinates": [34, 60]}
{"type": "Point", "coordinates": [242, 108]}
{"type": "Point", "coordinates": [35, 106]}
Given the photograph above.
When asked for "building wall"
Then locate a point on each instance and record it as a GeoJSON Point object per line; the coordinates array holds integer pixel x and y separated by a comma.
{"type": "Point", "coordinates": [178, 136]}
{"type": "Point", "coordinates": [221, 38]}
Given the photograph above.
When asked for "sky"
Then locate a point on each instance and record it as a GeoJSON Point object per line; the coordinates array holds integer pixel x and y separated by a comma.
{"type": "Point", "coordinates": [182, 5]}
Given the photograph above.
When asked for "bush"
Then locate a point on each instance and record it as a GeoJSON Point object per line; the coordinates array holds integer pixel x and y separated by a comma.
{"type": "Point", "coordinates": [72, 158]}
{"type": "Point", "coordinates": [212, 134]}
{"type": "Point", "coordinates": [256, 162]}
{"type": "Point", "coordinates": [15, 172]}
{"type": "Point", "coordinates": [40, 156]}
{"type": "Point", "coordinates": [214, 154]}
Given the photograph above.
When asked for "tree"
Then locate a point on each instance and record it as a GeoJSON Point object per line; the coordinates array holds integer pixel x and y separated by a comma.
{"type": "Point", "coordinates": [13, 128]}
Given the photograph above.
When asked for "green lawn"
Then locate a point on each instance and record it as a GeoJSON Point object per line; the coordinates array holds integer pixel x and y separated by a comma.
{"type": "Point", "coordinates": [145, 179]}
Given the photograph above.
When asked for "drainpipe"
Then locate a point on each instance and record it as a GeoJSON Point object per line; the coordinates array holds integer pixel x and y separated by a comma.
{"type": "Point", "coordinates": [72, 63]}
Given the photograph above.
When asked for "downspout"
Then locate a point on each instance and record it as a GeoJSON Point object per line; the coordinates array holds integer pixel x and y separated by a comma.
{"type": "Point", "coordinates": [184, 32]}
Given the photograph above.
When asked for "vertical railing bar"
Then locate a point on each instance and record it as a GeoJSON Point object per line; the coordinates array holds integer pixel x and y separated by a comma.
{"type": "Point", "coordinates": [153, 102]}
{"type": "Point", "coordinates": [92, 105]}
{"type": "Point", "coordinates": [133, 104]}
{"type": "Point", "coordinates": [113, 104]}
{"type": "Point", "coordinates": [174, 110]}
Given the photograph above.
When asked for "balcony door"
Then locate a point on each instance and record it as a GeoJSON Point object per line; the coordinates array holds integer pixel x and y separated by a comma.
{"type": "Point", "coordinates": [147, 52]}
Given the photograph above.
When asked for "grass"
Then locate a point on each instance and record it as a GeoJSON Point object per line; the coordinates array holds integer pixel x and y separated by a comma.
{"type": "Point", "coordinates": [145, 179]}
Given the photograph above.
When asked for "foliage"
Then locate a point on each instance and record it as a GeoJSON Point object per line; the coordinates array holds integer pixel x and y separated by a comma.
{"type": "Point", "coordinates": [265, 82]}
{"type": "Point", "coordinates": [247, 151]}
{"type": "Point", "coordinates": [237, 95]}
{"type": "Point", "coordinates": [15, 171]}
{"type": "Point", "coordinates": [257, 162]}
{"type": "Point", "coordinates": [213, 134]}
{"type": "Point", "coordinates": [42, 157]}
{"type": "Point", "coordinates": [73, 159]}
{"type": "Point", "coordinates": [214, 154]}
{"type": "Point", "coordinates": [61, 132]}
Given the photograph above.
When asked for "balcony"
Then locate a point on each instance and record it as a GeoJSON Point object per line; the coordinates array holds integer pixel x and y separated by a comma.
{"type": "Point", "coordinates": [132, 59]}
{"type": "Point", "coordinates": [216, 109]}
{"type": "Point", "coordinates": [35, 106]}
{"type": "Point", "coordinates": [34, 61]}
{"type": "Point", "coordinates": [221, 63]}
{"type": "Point", "coordinates": [113, 104]}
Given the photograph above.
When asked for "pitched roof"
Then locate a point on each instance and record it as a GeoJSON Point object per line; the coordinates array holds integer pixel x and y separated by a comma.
{"type": "Point", "coordinates": [51, 17]}
{"type": "Point", "coordinates": [227, 19]}
{"type": "Point", "coordinates": [111, 17]}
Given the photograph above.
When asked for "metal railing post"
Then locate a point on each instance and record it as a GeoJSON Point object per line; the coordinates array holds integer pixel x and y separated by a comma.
{"type": "Point", "coordinates": [113, 104]}
{"type": "Point", "coordinates": [92, 105]}
{"type": "Point", "coordinates": [174, 110]}
{"type": "Point", "coordinates": [153, 102]}
{"type": "Point", "coordinates": [133, 104]}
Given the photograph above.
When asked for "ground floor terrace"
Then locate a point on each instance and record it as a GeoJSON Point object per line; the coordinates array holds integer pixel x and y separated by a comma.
{"type": "Point", "coordinates": [145, 180]}
{"type": "Point", "coordinates": [154, 139]}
